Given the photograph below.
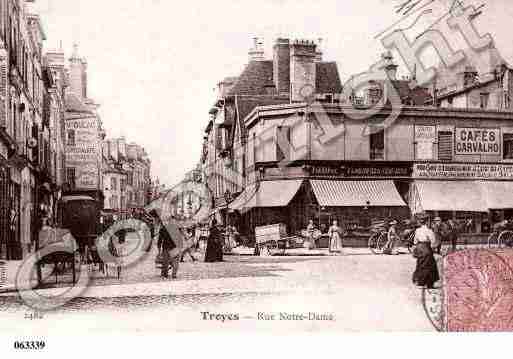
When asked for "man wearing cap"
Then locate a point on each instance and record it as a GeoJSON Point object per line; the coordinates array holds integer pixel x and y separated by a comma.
{"type": "Point", "coordinates": [437, 229]}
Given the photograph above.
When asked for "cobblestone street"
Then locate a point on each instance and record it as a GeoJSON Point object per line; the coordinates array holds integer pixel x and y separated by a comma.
{"type": "Point", "coordinates": [361, 291]}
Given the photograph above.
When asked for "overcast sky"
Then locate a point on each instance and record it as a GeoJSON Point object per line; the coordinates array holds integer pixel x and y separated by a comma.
{"type": "Point", "coordinates": [154, 64]}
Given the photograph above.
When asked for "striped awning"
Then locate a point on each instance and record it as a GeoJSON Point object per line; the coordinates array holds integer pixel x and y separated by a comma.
{"type": "Point", "coordinates": [466, 196]}
{"type": "Point", "coordinates": [498, 194]}
{"type": "Point", "coordinates": [356, 193]}
{"type": "Point", "coordinates": [266, 194]}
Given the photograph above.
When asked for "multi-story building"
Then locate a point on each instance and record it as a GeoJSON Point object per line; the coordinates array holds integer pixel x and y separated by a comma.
{"type": "Point", "coordinates": [448, 162]}
{"type": "Point", "coordinates": [55, 111]}
{"type": "Point", "coordinates": [126, 176]}
{"type": "Point", "coordinates": [84, 134]}
{"type": "Point", "coordinates": [295, 72]}
{"type": "Point", "coordinates": [22, 127]}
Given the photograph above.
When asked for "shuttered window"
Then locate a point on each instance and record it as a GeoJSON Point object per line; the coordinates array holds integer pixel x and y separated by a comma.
{"type": "Point", "coordinates": [445, 145]}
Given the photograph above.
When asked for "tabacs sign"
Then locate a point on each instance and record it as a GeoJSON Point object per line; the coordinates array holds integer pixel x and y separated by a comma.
{"type": "Point", "coordinates": [478, 141]}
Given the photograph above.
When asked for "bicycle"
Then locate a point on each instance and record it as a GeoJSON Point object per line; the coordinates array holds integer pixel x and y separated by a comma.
{"type": "Point", "coordinates": [377, 241]}
{"type": "Point", "coordinates": [500, 239]}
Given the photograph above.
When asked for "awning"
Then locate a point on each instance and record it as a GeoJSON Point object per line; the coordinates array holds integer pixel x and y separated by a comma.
{"type": "Point", "coordinates": [466, 196]}
{"type": "Point", "coordinates": [266, 194]}
{"type": "Point", "coordinates": [498, 194]}
{"type": "Point", "coordinates": [356, 193]}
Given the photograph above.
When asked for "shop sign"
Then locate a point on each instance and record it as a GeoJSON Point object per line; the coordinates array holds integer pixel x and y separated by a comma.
{"type": "Point", "coordinates": [425, 137]}
{"type": "Point", "coordinates": [84, 155]}
{"type": "Point", "coordinates": [87, 177]}
{"type": "Point", "coordinates": [377, 171]}
{"type": "Point", "coordinates": [325, 171]}
{"type": "Point", "coordinates": [478, 141]}
{"type": "Point", "coordinates": [425, 133]}
{"type": "Point", "coordinates": [462, 171]}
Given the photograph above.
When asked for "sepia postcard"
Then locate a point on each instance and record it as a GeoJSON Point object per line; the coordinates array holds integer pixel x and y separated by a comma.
{"type": "Point", "coordinates": [257, 166]}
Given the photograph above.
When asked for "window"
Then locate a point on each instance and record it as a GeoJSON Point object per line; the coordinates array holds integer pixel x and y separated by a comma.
{"type": "Point", "coordinates": [71, 138]}
{"type": "Point", "coordinates": [71, 176]}
{"type": "Point", "coordinates": [445, 144]}
{"type": "Point", "coordinates": [282, 143]}
{"type": "Point", "coordinates": [113, 184]}
{"type": "Point", "coordinates": [377, 144]}
{"type": "Point", "coordinates": [507, 141]}
{"type": "Point", "coordinates": [123, 185]}
{"type": "Point", "coordinates": [484, 100]}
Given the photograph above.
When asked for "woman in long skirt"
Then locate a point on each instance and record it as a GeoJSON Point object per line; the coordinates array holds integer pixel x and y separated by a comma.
{"type": "Point", "coordinates": [335, 235]}
{"type": "Point", "coordinates": [426, 271]}
{"type": "Point", "coordinates": [214, 252]}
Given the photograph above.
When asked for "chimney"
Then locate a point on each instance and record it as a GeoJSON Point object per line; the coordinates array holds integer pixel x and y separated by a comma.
{"type": "Point", "coordinates": [113, 149]}
{"type": "Point", "coordinates": [469, 76]}
{"type": "Point", "coordinates": [390, 66]}
{"type": "Point", "coordinates": [132, 151]}
{"type": "Point", "coordinates": [78, 74]}
{"type": "Point", "coordinates": [257, 52]}
{"type": "Point", "coordinates": [302, 69]}
{"type": "Point", "coordinates": [318, 53]}
{"type": "Point", "coordinates": [122, 146]}
{"type": "Point", "coordinates": [281, 65]}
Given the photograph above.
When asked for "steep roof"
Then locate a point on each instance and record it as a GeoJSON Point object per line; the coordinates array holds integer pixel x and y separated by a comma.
{"type": "Point", "coordinates": [256, 77]}
{"type": "Point", "coordinates": [418, 95]}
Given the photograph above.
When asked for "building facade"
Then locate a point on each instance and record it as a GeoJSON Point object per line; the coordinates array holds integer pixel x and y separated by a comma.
{"type": "Point", "coordinates": [84, 134]}
{"type": "Point", "coordinates": [452, 163]}
{"type": "Point", "coordinates": [295, 72]}
{"type": "Point", "coordinates": [126, 176]}
{"type": "Point", "coordinates": [22, 127]}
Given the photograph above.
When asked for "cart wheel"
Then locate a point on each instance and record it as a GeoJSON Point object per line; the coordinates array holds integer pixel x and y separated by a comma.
{"type": "Point", "coordinates": [373, 243]}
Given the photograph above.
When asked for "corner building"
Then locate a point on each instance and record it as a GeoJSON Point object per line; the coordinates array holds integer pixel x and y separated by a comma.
{"type": "Point", "coordinates": [452, 163]}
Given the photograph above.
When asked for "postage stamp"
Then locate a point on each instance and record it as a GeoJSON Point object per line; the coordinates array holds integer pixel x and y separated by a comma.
{"type": "Point", "coordinates": [270, 166]}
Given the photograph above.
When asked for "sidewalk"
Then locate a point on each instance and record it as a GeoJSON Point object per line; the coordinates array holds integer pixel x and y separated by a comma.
{"type": "Point", "coordinates": [9, 271]}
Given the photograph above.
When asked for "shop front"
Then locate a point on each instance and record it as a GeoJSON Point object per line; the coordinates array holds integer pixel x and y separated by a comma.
{"type": "Point", "coordinates": [476, 195]}
{"type": "Point", "coordinates": [355, 194]}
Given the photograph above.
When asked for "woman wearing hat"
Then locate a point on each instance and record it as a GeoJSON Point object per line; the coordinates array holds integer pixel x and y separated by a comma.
{"type": "Point", "coordinates": [426, 270]}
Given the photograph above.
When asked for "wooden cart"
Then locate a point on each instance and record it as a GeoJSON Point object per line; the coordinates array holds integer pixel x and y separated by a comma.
{"type": "Point", "coordinates": [273, 239]}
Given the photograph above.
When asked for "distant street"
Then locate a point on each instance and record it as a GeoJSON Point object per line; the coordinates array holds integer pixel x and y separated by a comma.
{"type": "Point", "coordinates": [359, 291]}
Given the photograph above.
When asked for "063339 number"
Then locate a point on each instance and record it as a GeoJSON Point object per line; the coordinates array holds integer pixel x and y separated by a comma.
{"type": "Point", "coordinates": [29, 345]}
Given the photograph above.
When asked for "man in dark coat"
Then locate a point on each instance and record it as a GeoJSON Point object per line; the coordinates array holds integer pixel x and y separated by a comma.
{"type": "Point", "coordinates": [167, 248]}
{"type": "Point", "coordinates": [214, 251]}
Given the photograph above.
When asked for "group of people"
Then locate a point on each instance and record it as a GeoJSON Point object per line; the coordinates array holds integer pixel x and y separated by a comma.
{"type": "Point", "coordinates": [335, 234]}
{"type": "Point", "coordinates": [170, 254]}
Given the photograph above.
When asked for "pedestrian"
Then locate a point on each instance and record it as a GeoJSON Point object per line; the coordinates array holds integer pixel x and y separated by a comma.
{"type": "Point", "coordinates": [310, 232]}
{"type": "Point", "coordinates": [335, 238]}
{"type": "Point", "coordinates": [214, 251]}
{"type": "Point", "coordinates": [426, 270]}
{"type": "Point", "coordinates": [168, 249]}
{"type": "Point", "coordinates": [438, 230]}
{"type": "Point", "coordinates": [392, 238]}
{"type": "Point", "coordinates": [453, 233]}
{"type": "Point", "coordinates": [189, 245]}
